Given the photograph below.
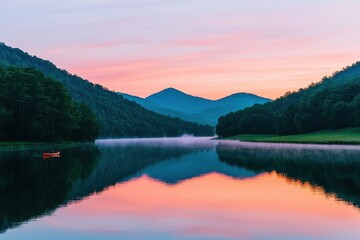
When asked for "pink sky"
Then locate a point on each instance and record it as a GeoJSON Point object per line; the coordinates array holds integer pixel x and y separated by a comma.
{"type": "Point", "coordinates": [209, 48]}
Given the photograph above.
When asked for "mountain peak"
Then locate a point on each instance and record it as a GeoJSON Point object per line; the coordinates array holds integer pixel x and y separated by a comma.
{"type": "Point", "coordinates": [167, 91]}
{"type": "Point", "coordinates": [171, 97]}
{"type": "Point", "coordinates": [170, 89]}
{"type": "Point", "coordinates": [243, 95]}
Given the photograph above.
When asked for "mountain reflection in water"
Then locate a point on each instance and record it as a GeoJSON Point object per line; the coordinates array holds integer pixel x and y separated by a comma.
{"type": "Point", "coordinates": [335, 169]}
{"type": "Point", "coordinates": [189, 188]}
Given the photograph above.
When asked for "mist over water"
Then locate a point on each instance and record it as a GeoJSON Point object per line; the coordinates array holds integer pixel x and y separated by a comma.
{"type": "Point", "coordinates": [166, 188]}
{"type": "Point", "coordinates": [176, 141]}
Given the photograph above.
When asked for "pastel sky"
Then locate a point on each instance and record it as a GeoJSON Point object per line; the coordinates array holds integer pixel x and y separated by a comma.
{"type": "Point", "coordinates": [209, 48]}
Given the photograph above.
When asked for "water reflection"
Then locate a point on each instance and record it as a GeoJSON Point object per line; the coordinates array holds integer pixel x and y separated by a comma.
{"type": "Point", "coordinates": [31, 186]}
{"type": "Point", "coordinates": [180, 188]}
{"type": "Point", "coordinates": [122, 160]}
{"type": "Point", "coordinates": [335, 169]}
{"type": "Point", "coordinates": [211, 206]}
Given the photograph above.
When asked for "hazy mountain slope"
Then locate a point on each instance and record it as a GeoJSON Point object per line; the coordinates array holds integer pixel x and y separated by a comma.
{"type": "Point", "coordinates": [229, 104]}
{"type": "Point", "coordinates": [175, 103]}
{"type": "Point", "coordinates": [240, 100]}
{"type": "Point", "coordinates": [158, 109]}
{"type": "Point", "coordinates": [176, 100]}
{"type": "Point", "coordinates": [118, 116]}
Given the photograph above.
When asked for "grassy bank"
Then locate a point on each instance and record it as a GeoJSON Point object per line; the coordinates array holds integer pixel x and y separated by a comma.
{"type": "Point", "coordinates": [340, 136]}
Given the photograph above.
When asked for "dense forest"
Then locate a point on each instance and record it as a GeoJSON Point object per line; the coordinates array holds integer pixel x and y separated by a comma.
{"type": "Point", "coordinates": [118, 116]}
{"type": "Point", "coordinates": [37, 108]}
{"type": "Point", "coordinates": [332, 103]}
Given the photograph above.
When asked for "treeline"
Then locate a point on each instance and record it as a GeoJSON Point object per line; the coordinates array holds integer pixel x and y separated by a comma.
{"type": "Point", "coordinates": [37, 108]}
{"type": "Point", "coordinates": [331, 104]}
{"type": "Point", "coordinates": [118, 117]}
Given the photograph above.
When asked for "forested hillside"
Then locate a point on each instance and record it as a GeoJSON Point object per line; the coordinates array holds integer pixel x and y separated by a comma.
{"type": "Point", "coordinates": [118, 117]}
{"type": "Point", "coordinates": [37, 108]}
{"type": "Point", "coordinates": [332, 103]}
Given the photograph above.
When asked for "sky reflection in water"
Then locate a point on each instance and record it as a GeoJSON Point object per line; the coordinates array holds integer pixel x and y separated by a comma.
{"type": "Point", "coordinates": [200, 189]}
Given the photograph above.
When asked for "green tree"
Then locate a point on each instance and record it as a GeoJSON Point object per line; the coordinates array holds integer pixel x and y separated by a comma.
{"type": "Point", "coordinates": [35, 107]}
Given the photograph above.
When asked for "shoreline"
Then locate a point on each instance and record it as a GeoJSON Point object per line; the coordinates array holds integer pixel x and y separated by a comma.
{"type": "Point", "coordinates": [23, 145]}
{"type": "Point", "coordinates": [348, 136]}
{"type": "Point", "coordinates": [354, 143]}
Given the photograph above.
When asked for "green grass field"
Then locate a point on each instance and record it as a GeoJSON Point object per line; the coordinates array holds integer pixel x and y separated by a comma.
{"type": "Point", "coordinates": [340, 136]}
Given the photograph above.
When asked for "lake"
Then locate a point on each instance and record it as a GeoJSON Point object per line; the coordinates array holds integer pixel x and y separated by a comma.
{"type": "Point", "coordinates": [181, 188]}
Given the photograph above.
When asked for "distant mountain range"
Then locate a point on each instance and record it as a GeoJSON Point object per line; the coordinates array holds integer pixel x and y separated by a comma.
{"type": "Point", "coordinates": [118, 116]}
{"type": "Point", "coordinates": [175, 103]}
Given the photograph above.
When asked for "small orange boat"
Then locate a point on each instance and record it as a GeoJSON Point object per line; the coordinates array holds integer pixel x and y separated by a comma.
{"type": "Point", "coordinates": [51, 154]}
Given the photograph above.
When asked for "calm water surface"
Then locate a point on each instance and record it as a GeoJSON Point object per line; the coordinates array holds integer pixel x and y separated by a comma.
{"type": "Point", "coordinates": [188, 188]}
